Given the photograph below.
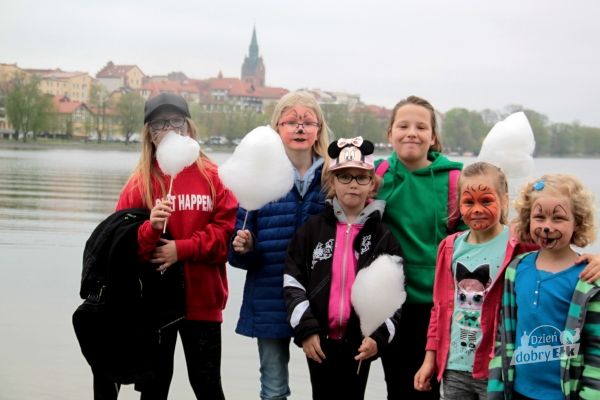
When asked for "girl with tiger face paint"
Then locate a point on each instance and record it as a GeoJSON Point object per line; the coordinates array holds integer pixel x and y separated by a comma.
{"type": "Point", "coordinates": [479, 203]}
{"type": "Point", "coordinates": [483, 204]}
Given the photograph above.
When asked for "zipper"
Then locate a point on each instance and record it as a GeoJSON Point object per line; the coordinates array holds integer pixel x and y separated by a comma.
{"type": "Point", "coordinates": [343, 285]}
{"type": "Point", "coordinates": [166, 326]}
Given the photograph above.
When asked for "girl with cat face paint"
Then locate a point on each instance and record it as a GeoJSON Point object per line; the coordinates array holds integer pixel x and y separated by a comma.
{"type": "Point", "coordinates": [463, 322]}
{"type": "Point", "coordinates": [547, 342]}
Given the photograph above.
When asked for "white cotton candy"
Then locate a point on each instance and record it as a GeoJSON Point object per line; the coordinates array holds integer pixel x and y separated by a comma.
{"type": "Point", "coordinates": [175, 152]}
{"type": "Point", "coordinates": [258, 171]}
{"type": "Point", "coordinates": [378, 291]}
{"type": "Point", "coordinates": [510, 145]}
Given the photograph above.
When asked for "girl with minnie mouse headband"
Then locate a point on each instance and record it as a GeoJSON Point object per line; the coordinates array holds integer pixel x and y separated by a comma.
{"type": "Point", "coordinates": [322, 261]}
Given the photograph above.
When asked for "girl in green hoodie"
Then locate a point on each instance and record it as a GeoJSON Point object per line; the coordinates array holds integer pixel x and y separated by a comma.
{"type": "Point", "coordinates": [415, 186]}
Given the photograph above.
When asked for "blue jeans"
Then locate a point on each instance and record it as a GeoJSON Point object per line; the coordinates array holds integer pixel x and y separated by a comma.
{"type": "Point", "coordinates": [274, 355]}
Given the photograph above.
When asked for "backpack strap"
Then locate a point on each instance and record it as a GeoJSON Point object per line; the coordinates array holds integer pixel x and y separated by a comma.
{"type": "Point", "coordinates": [382, 168]}
{"type": "Point", "coordinates": [453, 211]}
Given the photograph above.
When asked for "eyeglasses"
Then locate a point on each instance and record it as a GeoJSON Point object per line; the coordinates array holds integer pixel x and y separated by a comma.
{"type": "Point", "coordinates": [160, 124]}
{"type": "Point", "coordinates": [293, 125]}
{"type": "Point", "coordinates": [360, 179]}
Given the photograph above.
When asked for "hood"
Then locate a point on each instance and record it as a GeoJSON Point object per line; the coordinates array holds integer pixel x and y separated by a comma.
{"type": "Point", "coordinates": [439, 162]}
{"type": "Point", "coordinates": [372, 207]}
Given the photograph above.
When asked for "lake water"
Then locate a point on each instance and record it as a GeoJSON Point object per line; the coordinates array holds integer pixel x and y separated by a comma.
{"type": "Point", "coordinates": [50, 201]}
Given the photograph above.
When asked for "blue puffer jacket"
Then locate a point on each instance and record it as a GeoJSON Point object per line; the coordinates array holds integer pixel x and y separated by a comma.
{"type": "Point", "coordinates": [263, 313]}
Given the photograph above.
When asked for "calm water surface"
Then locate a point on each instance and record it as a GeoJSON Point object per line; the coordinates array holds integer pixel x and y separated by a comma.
{"type": "Point", "coordinates": [50, 201]}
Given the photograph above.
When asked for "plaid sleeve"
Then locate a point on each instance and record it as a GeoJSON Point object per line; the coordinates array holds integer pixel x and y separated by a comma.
{"type": "Point", "coordinates": [501, 375]}
{"type": "Point", "coordinates": [590, 374]}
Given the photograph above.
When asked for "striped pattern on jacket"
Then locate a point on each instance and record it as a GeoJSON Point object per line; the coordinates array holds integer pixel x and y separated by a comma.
{"type": "Point", "coordinates": [580, 375]}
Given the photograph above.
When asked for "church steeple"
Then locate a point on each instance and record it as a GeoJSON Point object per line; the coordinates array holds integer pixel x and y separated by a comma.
{"type": "Point", "coordinates": [253, 69]}
{"type": "Point", "coordinates": [253, 50]}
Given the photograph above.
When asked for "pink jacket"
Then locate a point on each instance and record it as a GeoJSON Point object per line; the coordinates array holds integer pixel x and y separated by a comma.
{"type": "Point", "coordinates": [343, 273]}
{"type": "Point", "coordinates": [438, 334]}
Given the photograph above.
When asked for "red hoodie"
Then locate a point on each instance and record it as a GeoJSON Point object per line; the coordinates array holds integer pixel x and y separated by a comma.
{"type": "Point", "coordinates": [201, 227]}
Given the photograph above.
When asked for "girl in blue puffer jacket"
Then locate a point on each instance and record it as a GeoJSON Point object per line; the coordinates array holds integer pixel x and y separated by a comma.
{"type": "Point", "coordinates": [260, 248]}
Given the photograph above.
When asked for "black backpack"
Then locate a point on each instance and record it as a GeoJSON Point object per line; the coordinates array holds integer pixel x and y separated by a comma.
{"type": "Point", "coordinates": [126, 302]}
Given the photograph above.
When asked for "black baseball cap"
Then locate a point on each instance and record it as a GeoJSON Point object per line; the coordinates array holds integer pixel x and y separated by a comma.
{"type": "Point", "coordinates": [165, 101]}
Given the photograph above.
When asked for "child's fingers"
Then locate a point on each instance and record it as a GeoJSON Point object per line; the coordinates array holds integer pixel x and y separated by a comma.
{"type": "Point", "coordinates": [420, 383]}
{"type": "Point", "coordinates": [319, 352]}
{"type": "Point", "coordinates": [592, 271]}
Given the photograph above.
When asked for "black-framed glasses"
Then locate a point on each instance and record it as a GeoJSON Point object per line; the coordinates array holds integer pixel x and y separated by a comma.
{"type": "Point", "coordinates": [160, 124]}
{"type": "Point", "coordinates": [360, 179]}
{"type": "Point", "coordinates": [293, 125]}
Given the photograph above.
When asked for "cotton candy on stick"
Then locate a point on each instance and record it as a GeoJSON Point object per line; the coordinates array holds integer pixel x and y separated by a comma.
{"type": "Point", "coordinates": [377, 292]}
{"type": "Point", "coordinates": [259, 170]}
{"type": "Point", "coordinates": [174, 153]}
{"type": "Point", "coordinates": [510, 145]}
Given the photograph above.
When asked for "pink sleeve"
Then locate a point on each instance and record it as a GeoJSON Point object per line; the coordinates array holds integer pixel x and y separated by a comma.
{"type": "Point", "coordinates": [432, 336]}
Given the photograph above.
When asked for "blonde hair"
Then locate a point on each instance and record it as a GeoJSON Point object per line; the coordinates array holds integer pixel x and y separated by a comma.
{"type": "Point", "coordinates": [147, 172]}
{"type": "Point", "coordinates": [306, 99]}
{"type": "Point", "coordinates": [418, 101]}
{"type": "Point", "coordinates": [582, 206]}
{"type": "Point", "coordinates": [481, 168]}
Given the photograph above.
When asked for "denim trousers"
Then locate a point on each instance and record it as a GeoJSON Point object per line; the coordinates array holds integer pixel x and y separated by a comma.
{"type": "Point", "coordinates": [274, 355]}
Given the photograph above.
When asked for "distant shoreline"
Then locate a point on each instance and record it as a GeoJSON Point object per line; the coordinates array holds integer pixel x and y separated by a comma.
{"type": "Point", "coordinates": [53, 144]}
{"type": "Point", "coordinates": [50, 144]}
{"type": "Point", "coordinates": [44, 144]}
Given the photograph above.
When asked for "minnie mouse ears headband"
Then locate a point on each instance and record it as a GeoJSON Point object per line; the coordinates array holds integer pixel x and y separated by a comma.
{"type": "Point", "coordinates": [351, 153]}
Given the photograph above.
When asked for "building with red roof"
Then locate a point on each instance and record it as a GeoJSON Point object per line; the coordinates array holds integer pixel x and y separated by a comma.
{"type": "Point", "coordinates": [114, 76]}
{"type": "Point", "coordinates": [73, 117]}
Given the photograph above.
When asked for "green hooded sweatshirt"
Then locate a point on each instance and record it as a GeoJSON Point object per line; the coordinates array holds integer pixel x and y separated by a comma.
{"type": "Point", "coordinates": [417, 214]}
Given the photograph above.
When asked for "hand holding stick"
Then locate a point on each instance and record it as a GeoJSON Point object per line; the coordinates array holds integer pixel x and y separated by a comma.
{"type": "Point", "coordinates": [159, 213]}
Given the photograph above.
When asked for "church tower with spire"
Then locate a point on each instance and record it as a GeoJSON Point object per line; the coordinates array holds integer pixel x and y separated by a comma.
{"type": "Point", "coordinates": [253, 69]}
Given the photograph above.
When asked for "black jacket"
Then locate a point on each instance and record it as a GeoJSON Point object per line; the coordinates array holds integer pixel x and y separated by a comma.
{"type": "Point", "coordinates": [126, 302]}
{"type": "Point", "coordinates": [316, 280]}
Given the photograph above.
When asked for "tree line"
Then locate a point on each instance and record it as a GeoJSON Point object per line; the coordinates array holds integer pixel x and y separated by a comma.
{"type": "Point", "coordinates": [462, 130]}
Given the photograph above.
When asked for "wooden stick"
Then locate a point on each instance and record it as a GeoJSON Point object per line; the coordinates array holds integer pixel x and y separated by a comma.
{"type": "Point", "coordinates": [358, 369]}
{"type": "Point", "coordinates": [245, 219]}
{"type": "Point", "coordinates": [168, 197]}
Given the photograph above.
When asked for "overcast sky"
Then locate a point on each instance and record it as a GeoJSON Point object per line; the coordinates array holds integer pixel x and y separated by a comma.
{"type": "Point", "coordinates": [542, 54]}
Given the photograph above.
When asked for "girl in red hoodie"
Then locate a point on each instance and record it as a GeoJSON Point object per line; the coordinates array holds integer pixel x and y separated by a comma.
{"type": "Point", "coordinates": [201, 215]}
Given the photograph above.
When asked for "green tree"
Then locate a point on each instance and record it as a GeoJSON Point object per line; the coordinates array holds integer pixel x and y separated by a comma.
{"type": "Point", "coordinates": [99, 102]}
{"type": "Point", "coordinates": [364, 124]}
{"type": "Point", "coordinates": [338, 119]}
{"type": "Point", "coordinates": [27, 108]}
{"type": "Point", "coordinates": [561, 139]}
{"type": "Point", "coordinates": [130, 112]}
{"type": "Point", "coordinates": [464, 130]}
{"type": "Point", "coordinates": [587, 141]}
